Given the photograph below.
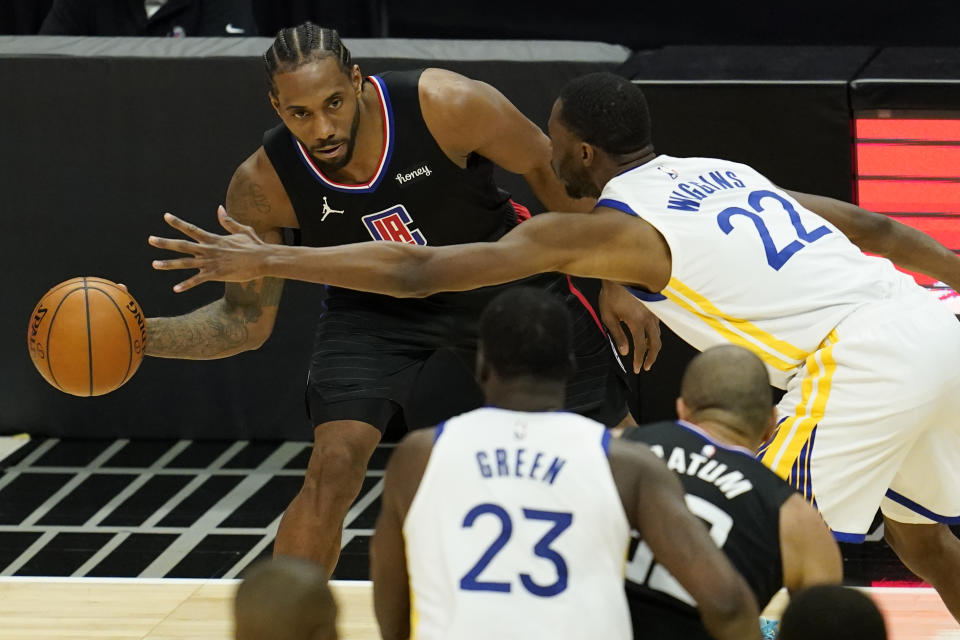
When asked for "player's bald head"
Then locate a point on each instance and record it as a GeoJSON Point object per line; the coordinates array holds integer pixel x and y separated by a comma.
{"type": "Point", "coordinates": [285, 599]}
{"type": "Point", "coordinates": [731, 385]}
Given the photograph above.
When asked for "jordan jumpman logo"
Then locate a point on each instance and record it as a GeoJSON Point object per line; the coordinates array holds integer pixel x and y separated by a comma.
{"type": "Point", "coordinates": [327, 210]}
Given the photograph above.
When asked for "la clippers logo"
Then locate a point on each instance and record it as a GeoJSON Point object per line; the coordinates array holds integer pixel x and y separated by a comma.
{"type": "Point", "coordinates": [393, 225]}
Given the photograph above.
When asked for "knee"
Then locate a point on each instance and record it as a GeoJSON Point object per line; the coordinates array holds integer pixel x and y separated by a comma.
{"type": "Point", "coordinates": [919, 545]}
{"type": "Point", "coordinates": [335, 468]}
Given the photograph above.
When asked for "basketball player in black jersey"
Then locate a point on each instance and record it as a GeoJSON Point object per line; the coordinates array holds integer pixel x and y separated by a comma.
{"type": "Point", "coordinates": [404, 157]}
{"type": "Point", "coordinates": [768, 531]}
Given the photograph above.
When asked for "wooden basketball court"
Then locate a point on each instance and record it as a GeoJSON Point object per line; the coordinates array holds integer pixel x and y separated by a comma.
{"type": "Point", "coordinates": [129, 609]}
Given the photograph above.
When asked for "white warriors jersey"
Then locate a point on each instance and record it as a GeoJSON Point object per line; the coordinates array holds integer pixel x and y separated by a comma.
{"type": "Point", "coordinates": [517, 531]}
{"type": "Point", "coordinates": [749, 264]}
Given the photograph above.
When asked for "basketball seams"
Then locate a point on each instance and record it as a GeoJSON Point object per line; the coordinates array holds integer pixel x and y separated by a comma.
{"type": "Point", "coordinates": [123, 319]}
{"type": "Point", "coordinates": [62, 285]}
{"type": "Point", "coordinates": [86, 302]}
{"type": "Point", "coordinates": [53, 319]}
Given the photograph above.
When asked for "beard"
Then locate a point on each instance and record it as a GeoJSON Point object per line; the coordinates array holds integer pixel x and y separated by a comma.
{"type": "Point", "coordinates": [350, 144]}
{"type": "Point", "coordinates": [579, 186]}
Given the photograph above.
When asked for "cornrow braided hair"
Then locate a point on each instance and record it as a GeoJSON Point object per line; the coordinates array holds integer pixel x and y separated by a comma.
{"type": "Point", "coordinates": [303, 44]}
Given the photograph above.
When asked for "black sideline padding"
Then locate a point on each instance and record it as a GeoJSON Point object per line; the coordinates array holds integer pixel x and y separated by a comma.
{"type": "Point", "coordinates": [910, 78]}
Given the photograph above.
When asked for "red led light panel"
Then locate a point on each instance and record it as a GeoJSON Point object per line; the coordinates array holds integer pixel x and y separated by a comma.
{"type": "Point", "coordinates": [908, 167]}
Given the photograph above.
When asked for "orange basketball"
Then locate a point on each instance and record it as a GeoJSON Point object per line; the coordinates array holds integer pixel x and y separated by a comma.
{"type": "Point", "coordinates": [86, 336]}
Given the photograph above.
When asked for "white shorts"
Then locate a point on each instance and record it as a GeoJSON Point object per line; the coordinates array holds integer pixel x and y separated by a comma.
{"type": "Point", "coordinates": [873, 419]}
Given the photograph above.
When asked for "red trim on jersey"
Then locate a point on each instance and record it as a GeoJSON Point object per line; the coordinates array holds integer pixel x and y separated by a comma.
{"type": "Point", "coordinates": [583, 300]}
{"type": "Point", "coordinates": [522, 213]}
{"type": "Point", "coordinates": [383, 152]}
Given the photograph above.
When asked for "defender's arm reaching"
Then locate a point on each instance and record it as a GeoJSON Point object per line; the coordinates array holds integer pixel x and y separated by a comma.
{"type": "Point", "coordinates": [880, 234]}
{"type": "Point", "coordinates": [606, 245]}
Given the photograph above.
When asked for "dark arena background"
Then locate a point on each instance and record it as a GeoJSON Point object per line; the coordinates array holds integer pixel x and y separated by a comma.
{"type": "Point", "coordinates": [185, 470]}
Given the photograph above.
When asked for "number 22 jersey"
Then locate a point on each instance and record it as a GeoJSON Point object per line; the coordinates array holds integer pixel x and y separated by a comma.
{"type": "Point", "coordinates": [750, 266]}
{"type": "Point", "coordinates": [517, 531]}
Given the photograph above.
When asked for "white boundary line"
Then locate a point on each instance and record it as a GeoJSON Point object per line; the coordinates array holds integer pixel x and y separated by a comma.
{"type": "Point", "coordinates": [335, 583]}
{"type": "Point", "coordinates": [162, 581]}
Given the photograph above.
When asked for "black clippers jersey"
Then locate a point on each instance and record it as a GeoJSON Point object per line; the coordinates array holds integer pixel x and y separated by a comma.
{"type": "Point", "coordinates": [417, 195]}
{"type": "Point", "coordinates": [739, 500]}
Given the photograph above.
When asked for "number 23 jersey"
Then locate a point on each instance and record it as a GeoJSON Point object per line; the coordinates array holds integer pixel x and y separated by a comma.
{"type": "Point", "coordinates": [517, 531]}
{"type": "Point", "coordinates": [750, 266]}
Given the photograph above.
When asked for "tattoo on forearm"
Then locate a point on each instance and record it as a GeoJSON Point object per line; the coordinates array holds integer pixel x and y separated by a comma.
{"type": "Point", "coordinates": [204, 334]}
{"type": "Point", "coordinates": [217, 330]}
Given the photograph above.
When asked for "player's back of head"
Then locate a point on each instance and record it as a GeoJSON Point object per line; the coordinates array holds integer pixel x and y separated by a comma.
{"type": "Point", "coordinates": [285, 598]}
{"type": "Point", "coordinates": [730, 383]}
{"type": "Point", "coordinates": [607, 111]}
{"type": "Point", "coordinates": [831, 612]}
{"type": "Point", "coordinates": [526, 333]}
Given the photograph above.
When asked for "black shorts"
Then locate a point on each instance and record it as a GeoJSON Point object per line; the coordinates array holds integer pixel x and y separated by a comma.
{"type": "Point", "coordinates": [360, 372]}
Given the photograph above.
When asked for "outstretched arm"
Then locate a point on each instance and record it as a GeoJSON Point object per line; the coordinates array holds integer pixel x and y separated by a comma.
{"type": "Point", "coordinates": [880, 234]}
{"type": "Point", "coordinates": [604, 245]}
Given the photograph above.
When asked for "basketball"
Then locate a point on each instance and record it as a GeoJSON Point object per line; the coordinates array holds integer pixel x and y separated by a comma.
{"type": "Point", "coordinates": [86, 336]}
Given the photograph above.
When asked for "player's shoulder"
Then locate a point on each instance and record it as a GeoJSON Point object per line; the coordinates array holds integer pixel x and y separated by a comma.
{"type": "Point", "coordinates": [418, 441]}
{"type": "Point", "coordinates": [648, 432]}
{"type": "Point", "coordinates": [437, 79]}
{"type": "Point", "coordinates": [255, 165]}
{"type": "Point", "coordinates": [631, 460]}
{"type": "Point", "coordinates": [447, 92]}
{"type": "Point", "coordinates": [257, 197]}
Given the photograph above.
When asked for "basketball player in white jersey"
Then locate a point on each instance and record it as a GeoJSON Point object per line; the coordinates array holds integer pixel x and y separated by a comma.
{"type": "Point", "coordinates": [722, 255]}
{"type": "Point", "coordinates": [513, 521]}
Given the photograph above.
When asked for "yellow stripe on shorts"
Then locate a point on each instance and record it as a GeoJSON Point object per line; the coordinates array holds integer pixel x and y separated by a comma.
{"type": "Point", "coordinates": [777, 353]}
{"type": "Point", "coordinates": [794, 432]}
{"type": "Point", "coordinates": [414, 618]}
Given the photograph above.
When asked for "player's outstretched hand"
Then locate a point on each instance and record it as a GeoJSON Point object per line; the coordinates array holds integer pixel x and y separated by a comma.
{"type": "Point", "coordinates": [617, 305]}
{"type": "Point", "coordinates": [237, 257]}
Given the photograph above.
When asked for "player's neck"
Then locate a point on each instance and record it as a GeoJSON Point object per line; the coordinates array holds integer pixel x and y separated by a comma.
{"type": "Point", "coordinates": [524, 395]}
{"type": "Point", "coordinates": [724, 433]}
{"type": "Point", "coordinates": [625, 162]}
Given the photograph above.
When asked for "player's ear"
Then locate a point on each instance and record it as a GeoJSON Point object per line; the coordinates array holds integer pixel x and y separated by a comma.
{"type": "Point", "coordinates": [771, 426]}
{"type": "Point", "coordinates": [481, 370]}
{"type": "Point", "coordinates": [274, 102]}
{"type": "Point", "coordinates": [587, 154]}
{"type": "Point", "coordinates": [356, 79]}
{"type": "Point", "coordinates": [682, 411]}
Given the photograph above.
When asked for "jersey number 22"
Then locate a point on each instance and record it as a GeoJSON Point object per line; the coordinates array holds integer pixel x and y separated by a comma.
{"type": "Point", "coordinates": [643, 570]}
{"type": "Point", "coordinates": [776, 258]}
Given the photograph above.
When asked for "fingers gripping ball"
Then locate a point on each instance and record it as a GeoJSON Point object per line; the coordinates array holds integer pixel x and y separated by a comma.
{"type": "Point", "coordinates": [86, 336]}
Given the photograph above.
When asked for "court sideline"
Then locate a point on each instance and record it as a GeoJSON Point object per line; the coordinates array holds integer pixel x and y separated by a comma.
{"type": "Point", "coordinates": [172, 609]}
